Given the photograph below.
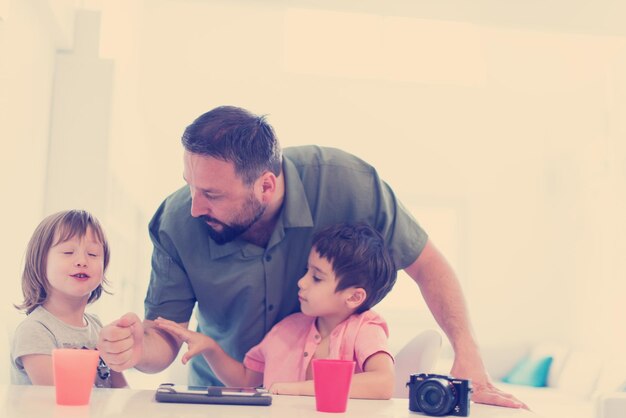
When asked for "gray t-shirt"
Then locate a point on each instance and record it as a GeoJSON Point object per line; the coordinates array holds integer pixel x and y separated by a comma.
{"type": "Point", "coordinates": [241, 290]}
{"type": "Point", "coordinates": [41, 331]}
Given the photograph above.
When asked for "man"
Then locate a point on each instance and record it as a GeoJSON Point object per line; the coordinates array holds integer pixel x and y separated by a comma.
{"type": "Point", "coordinates": [236, 240]}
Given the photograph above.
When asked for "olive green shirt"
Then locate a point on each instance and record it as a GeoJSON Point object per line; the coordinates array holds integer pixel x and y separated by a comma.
{"type": "Point", "coordinates": [242, 290]}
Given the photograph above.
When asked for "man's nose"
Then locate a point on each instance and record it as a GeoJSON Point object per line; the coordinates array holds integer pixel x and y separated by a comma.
{"type": "Point", "coordinates": [198, 206]}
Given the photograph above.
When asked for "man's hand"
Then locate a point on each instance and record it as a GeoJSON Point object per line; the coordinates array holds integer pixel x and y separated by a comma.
{"type": "Point", "coordinates": [196, 343]}
{"type": "Point", "coordinates": [483, 390]}
{"type": "Point", "coordinates": [121, 342]}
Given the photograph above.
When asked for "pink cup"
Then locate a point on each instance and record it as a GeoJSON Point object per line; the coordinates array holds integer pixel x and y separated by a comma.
{"type": "Point", "coordinates": [74, 374]}
{"type": "Point", "coordinates": [331, 379]}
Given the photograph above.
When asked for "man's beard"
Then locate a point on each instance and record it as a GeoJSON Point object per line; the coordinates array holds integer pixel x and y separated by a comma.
{"type": "Point", "coordinates": [235, 229]}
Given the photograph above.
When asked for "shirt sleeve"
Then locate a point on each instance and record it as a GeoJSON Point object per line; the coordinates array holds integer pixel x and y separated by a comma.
{"type": "Point", "coordinates": [351, 189]}
{"type": "Point", "coordinates": [371, 339]}
{"type": "Point", "coordinates": [255, 359]}
{"type": "Point", "coordinates": [31, 337]}
{"type": "Point", "coordinates": [404, 236]}
{"type": "Point", "coordinates": [170, 294]}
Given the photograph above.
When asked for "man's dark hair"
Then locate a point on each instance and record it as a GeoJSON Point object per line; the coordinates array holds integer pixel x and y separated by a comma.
{"type": "Point", "coordinates": [360, 258]}
{"type": "Point", "coordinates": [231, 133]}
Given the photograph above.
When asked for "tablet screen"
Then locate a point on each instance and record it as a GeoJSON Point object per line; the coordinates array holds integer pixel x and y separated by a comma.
{"type": "Point", "coordinates": [218, 390]}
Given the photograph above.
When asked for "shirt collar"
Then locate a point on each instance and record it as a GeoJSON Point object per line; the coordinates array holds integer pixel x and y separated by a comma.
{"type": "Point", "coordinates": [296, 211]}
{"type": "Point", "coordinates": [219, 251]}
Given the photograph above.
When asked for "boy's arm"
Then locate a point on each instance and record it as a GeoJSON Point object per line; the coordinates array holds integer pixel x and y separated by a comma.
{"type": "Point", "coordinates": [228, 370]}
{"type": "Point", "coordinates": [375, 382]}
{"type": "Point", "coordinates": [38, 367]}
{"type": "Point", "coordinates": [377, 379]}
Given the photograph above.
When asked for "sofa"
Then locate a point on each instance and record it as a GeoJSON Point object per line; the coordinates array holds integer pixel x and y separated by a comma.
{"type": "Point", "coordinates": [578, 383]}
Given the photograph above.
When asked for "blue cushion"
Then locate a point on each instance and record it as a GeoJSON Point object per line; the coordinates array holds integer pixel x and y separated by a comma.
{"type": "Point", "coordinates": [530, 372]}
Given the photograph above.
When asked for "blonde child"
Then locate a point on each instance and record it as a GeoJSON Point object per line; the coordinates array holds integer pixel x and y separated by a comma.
{"type": "Point", "coordinates": [349, 271]}
{"type": "Point", "coordinates": [65, 262]}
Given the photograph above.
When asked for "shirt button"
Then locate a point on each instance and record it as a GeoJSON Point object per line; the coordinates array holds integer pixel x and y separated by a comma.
{"type": "Point", "coordinates": [317, 336]}
{"type": "Point", "coordinates": [268, 258]}
{"type": "Point", "coordinates": [306, 354]}
{"type": "Point", "coordinates": [270, 308]}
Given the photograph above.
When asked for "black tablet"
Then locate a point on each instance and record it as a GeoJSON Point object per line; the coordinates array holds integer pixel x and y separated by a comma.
{"type": "Point", "coordinates": [169, 392]}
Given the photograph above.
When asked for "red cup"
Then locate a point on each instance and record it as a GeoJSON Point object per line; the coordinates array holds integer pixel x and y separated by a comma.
{"type": "Point", "coordinates": [74, 374]}
{"type": "Point", "coordinates": [331, 379]}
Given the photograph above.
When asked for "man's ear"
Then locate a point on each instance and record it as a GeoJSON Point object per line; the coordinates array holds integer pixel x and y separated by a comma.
{"type": "Point", "coordinates": [357, 296]}
{"type": "Point", "coordinates": [267, 183]}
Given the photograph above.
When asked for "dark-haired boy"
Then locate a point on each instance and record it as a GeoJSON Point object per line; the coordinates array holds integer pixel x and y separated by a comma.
{"type": "Point", "coordinates": [349, 270]}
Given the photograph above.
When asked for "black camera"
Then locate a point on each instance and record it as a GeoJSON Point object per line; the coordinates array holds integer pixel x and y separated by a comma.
{"type": "Point", "coordinates": [438, 395]}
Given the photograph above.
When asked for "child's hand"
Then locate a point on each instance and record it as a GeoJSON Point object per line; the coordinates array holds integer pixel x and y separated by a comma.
{"type": "Point", "coordinates": [277, 389]}
{"type": "Point", "coordinates": [289, 388]}
{"type": "Point", "coordinates": [197, 343]}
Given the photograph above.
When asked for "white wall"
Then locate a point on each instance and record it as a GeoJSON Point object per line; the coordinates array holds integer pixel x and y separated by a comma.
{"type": "Point", "coordinates": [512, 128]}
{"type": "Point", "coordinates": [501, 128]}
{"type": "Point", "coordinates": [30, 33]}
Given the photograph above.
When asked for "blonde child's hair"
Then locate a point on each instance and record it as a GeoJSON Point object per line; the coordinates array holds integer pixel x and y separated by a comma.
{"type": "Point", "coordinates": [55, 229]}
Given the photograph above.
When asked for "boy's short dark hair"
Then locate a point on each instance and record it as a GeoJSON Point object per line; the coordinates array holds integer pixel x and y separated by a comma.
{"type": "Point", "coordinates": [360, 258]}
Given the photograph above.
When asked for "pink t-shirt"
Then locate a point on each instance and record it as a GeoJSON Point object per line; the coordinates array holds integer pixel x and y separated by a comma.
{"type": "Point", "coordinates": [285, 352]}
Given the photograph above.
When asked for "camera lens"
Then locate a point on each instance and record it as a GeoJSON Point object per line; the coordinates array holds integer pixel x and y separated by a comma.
{"type": "Point", "coordinates": [436, 397]}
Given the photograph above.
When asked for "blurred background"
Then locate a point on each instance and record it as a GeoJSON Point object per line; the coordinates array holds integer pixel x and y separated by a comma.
{"type": "Point", "coordinates": [501, 125]}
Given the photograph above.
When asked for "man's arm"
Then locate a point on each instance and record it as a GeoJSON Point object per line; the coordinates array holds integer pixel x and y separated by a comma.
{"type": "Point", "coordinates": [128, 342]}
{"type": "Point", "coordinates": [444, 297]}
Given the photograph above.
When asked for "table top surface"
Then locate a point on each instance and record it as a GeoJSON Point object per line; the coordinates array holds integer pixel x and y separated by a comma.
{"type": "Point", "coordinates": [39, 402]}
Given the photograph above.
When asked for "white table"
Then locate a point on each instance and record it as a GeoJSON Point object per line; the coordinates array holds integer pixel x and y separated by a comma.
{"type": "Point", "coordinates": [38, 402]}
